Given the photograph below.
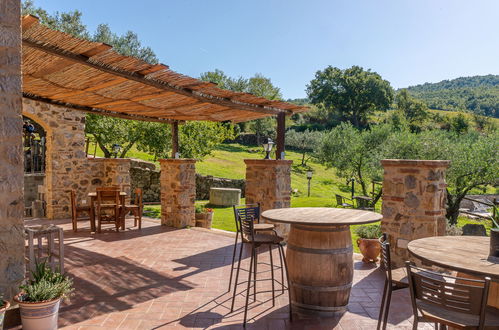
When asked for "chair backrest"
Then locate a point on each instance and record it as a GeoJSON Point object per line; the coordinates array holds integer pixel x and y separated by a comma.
{"type": "Point", "coordinates": [246, 211]}
{"type": "Point", "coordinates": [108, 195]}
{"type": "Point", "coordinates": [448, 292]}
{"type": "Point", "coordinates": [247, 228]}
{"type": "Point", "coordinates": [138, 197]}
{"type": "Point", "coordinates": [339, 199]}
{"type": "Point", "coordinates": [386, 261]}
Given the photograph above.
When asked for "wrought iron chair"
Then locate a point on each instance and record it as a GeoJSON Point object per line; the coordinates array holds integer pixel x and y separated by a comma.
{"type": "Point", "coordinates": [247, 226]}
{"type": "Point", "coordinates": [243, 212]}
{"type": "Point", "coordinates": [77, 210]}
{"type": "Point", "coordinates": [395, 279]}
{"type": "Point", "coordinates": [446, 300]}
{"type": "Point", "coordinates": [340, 201]}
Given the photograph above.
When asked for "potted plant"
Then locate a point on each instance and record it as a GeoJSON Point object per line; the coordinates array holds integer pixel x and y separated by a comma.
{"type": "Point", "coordinates": [368, 242]}
{"type": "Point", "coordinates": [204, 216]}
{"type": "Point", "coordinates": [40, 298]}
{"type": "Point", "coordinates": [4, 305]}
{"type": "Point", "coordinates": [494, 233]}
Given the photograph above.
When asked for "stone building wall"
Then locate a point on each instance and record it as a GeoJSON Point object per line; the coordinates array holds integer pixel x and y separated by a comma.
{"type": "Point", "coordinates": [268, 182]}
{"type": "Point", "coordinates": [414, 201]}
{"type": "Point", "coordinates": [11, 160]}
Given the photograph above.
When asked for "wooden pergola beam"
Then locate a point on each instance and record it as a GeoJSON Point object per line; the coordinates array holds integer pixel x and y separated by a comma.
{"type": "Point", "coordinates": [175, 148]}
{"type": "Point", "coordinates": [142, 78]}
{"type": "Point", "coordinates": [281, 131]}
{"type": "Point", "coordinates": [97, 111]}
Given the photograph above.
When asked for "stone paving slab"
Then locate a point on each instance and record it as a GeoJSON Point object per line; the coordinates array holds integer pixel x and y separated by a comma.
{"type": "Point", "coordinates": [161, 278]}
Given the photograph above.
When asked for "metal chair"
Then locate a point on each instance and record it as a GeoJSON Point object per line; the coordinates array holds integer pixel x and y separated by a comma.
{"type": "Point", "coordinates": [340, 201]}
{"type": "Point", "coordinates": [256, 240]}
{"type": "Point", "coordinates": [395, 279]}
{"type": "Point", "coordinates": [446, 300]}
{"type": "Point", "coordinates": [243, 212]}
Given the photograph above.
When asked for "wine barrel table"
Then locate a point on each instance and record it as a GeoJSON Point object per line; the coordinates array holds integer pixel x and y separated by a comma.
{"type": "Point", "coordinates": [320, 256]}
{"type": "Point", "coordinates": [468, 255]}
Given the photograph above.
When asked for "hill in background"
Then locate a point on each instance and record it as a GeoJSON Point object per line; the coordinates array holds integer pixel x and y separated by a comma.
{"type": "Point", "coordinates": [478, 94]}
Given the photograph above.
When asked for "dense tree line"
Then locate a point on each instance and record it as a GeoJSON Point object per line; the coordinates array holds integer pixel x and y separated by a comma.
{"type": "Point", "coordinates": [478, 94]}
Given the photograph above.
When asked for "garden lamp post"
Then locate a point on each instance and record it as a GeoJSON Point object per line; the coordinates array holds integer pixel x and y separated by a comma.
{"type": "Point", "coordinates": [116, 150]}
{"type": "Point", "coordinates": [309, 178]}
{"type": "Point", "coordinates": [352, 180]}
{"type": "Point", "coordinates": [268, 147]}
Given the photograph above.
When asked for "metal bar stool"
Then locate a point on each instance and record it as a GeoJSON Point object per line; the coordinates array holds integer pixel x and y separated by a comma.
{"type": "Point", "coordinates": [250, 236]}
{"type": "Point", "coordinates": [243, 212]}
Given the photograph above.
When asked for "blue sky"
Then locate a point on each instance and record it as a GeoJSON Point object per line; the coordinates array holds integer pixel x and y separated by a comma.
{"type": "Point", "coordinates": [407, 42]}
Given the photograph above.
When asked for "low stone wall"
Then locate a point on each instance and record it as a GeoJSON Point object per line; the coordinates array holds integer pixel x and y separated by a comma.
{"type": "Point", "coordinates": [466, 204]}
{"type": "Point", "coordinates": [145, 176]}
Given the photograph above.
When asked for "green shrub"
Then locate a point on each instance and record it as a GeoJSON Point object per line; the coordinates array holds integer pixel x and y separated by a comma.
{"type": "Point", "coordinates": [370, 231]}
{"type": "Point", "coordinates": [46, 285]}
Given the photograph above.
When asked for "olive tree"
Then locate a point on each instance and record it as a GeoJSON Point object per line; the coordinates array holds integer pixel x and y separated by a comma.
{"type": "Point", "coordinates": [305, 142]}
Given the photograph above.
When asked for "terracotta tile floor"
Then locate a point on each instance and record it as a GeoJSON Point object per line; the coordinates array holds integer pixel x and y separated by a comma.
{"type": "Point", "coordinates": [159, 278]}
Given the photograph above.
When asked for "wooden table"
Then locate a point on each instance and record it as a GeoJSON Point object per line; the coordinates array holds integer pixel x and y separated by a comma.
{"type": "Point", "coordinates": [363, 201]}
{"type": "Point", "coordinates": [93, 198]}
{"type": "Point", "coordinates": [320, 255]}
{"type": "Point", "coordinates": [468, 255]}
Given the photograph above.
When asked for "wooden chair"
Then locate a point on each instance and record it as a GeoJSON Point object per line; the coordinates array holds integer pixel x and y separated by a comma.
{"type": "Point", "coordinates": [340, 201]}
{"type": "Point", "coordinates": [445, 300]}
{"type": "Point", "coordinates": [136, 208]}
{"type": "Point", "coordinates": [242, 212]}
{"type": "Point", "coordinates": [108, 199]}
{"type": "Point", "coordinates": [395, 279]}
{"type": "Point", "coordinates": [256, 240]}
{"type": "Point", "coordinates": [77, 210]}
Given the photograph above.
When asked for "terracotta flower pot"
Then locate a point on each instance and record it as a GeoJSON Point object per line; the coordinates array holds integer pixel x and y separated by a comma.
{"type": "Point", "coordinates": [204, 219]}
{"type": "Point", "coordinates": [6, 306]}
{"type": "Point", "coordinates": [39, 315]}
{"type": "Point", "coordinates": [370, 249]}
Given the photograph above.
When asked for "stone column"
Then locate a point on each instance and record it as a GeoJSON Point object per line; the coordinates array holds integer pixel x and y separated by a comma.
{"type": "Point", "coordinates": [414, 200]}
{"type": "Point", "coordinates": [178, 192]}
{"type": "Point", "coordinates": [11, 160]}
{"type": "Point", "coordinates": [268, 182]}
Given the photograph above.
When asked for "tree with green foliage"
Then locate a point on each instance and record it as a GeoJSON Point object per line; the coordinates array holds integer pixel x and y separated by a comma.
{"type": "Point", "coordinates": [414, 111]}
{"type": "Point", "coordinates": [354, 153]}
{"type": "Point", "coordinates": [305, 142]}
{"type": "Point", "coordinates": [353, 93]}
{"type": "Point", "coordinates": [197, 139]}
{"type": "Point", "coordinates": [459, 124]}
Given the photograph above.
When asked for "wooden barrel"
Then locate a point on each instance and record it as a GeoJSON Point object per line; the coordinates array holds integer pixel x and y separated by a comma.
{"type": "Point", "coordinates": [320, 268]}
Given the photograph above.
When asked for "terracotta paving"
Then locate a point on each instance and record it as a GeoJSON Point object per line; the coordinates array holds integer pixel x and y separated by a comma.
{"type": "Point", "coordinates": [160, 278]}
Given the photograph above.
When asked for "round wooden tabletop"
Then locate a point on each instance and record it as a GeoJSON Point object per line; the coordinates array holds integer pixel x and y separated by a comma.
{"type": "Point", "coordinates": [469, 254]}
{"type": "Point", "coordinates": [321, 216]}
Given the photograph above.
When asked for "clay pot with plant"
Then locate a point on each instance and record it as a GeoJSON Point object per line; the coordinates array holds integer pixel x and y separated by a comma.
{"type": "Point", "coordinates": [40, 298]}
{"type": "Point", "coordinates": [4, 305]}
{"type": "Point", "coordinates": [204, 216]}
{"type": "Point", "coordinates": [368, 242]}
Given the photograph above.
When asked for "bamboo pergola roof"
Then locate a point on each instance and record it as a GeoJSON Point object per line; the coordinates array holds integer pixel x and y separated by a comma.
{"type": "Point", "coordinates": [90, 76]}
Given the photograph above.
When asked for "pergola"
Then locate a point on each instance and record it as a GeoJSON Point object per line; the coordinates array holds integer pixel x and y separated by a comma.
{"type": "Point", "coordinates": [60, 69]}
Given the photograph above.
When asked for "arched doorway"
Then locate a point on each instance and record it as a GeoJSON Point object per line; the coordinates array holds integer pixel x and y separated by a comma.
{"type": "Point", "coordinates": [34, 151]}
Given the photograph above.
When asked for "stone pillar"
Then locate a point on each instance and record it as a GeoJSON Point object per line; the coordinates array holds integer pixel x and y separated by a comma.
{"type": "Point", "coordinates": [268, 182]}
{"type": "Point", "coordinates": [11, 160]}
{"type": "Point", "coordinates": [414, 200]}
{"type": "Point", "coordinates": [178, 192]}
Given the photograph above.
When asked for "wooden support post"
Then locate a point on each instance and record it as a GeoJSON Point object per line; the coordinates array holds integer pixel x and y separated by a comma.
{"type": "Point", "coordinates": [174, 138]}
{"type": "Point", "coordinates": [281, 130]}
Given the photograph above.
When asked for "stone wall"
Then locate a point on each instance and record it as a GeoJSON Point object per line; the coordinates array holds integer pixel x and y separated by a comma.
{"type": "Point", "coordinates": [466, 204]}
{"type": "Point", "coordinates": [66, 162]}
{"type": "Point", "coordinates": [268, 182]}
{"type": "Point", "coordinates": [414, 201]}
{"type": "Point", "coordinates": [11, 159]}
{"type": "Point", "coordinates": [204, 183]}
{"type": "Point", "coordinates": [178, 192]}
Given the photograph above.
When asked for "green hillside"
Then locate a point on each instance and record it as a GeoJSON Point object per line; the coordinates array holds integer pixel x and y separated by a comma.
{"type": "Point", "coordinates": [478, 94]}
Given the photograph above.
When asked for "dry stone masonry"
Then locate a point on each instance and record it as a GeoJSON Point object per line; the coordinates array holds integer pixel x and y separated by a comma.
{"type": "Point", "coordinates": [268, 182]}
{"type": "Point", "coordinates": [178, 192]}
{"type": "Point", "coordinates": [11, 160]}
{"type": "Point", "coordinates": [414, 198]}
